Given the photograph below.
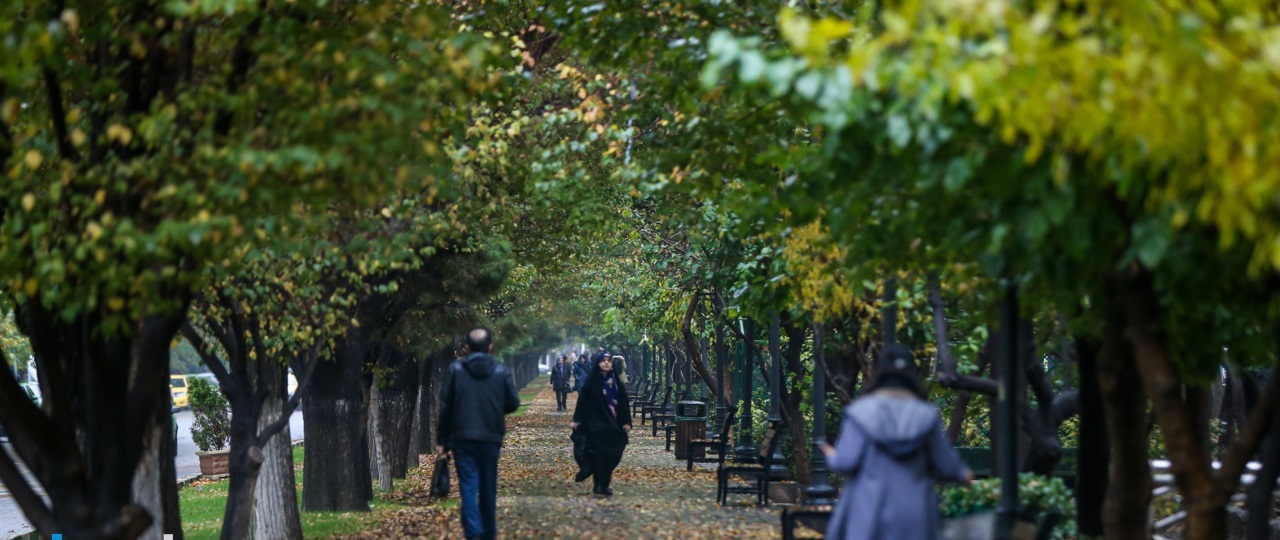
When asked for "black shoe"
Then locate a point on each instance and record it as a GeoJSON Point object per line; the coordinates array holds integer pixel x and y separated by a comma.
{"type": "Point", "coordinates": [582, 475]}
{"type": "Point", "coordinates": [597, 491]}
{"type": "Point", "coordinates": [608, 492]}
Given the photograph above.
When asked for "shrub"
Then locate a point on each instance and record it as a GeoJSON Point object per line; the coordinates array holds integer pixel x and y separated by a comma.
{"type": "Point", "coordinates": [1035, 492]}
{"type": "Point", "coordinates": [211, 428]}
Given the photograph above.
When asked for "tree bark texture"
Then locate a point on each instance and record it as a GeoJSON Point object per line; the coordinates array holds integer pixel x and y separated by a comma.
{"type": "Point", "coordinates": [1128, 499]}
{"type": "Point", "coordinates": [397, 391]}
{"type": "Point", "coordinates": [102, 397]}
{"type": "Point", "coordinates": [155, 485]}
{"type": "Point", "coordinates": [275, 502]}
{"type": "Point", "coordinates": [334, 433]}
{"type": "Point", "coordinates": [793, 396]}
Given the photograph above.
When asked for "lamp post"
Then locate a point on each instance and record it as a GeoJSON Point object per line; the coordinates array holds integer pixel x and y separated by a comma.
{"type": "Point", "coordinates": [1008, 363]}
{"type": "Point", "coordinates": [777, 469]}
{"type": "Point", "coordinates": [819, 491]}
{"type": "Point", "coordinates": [722, 356]}
{"type": "Point", "coordinates": [889, 311]}
{"type": "Point", "coordinates": [746, 449]}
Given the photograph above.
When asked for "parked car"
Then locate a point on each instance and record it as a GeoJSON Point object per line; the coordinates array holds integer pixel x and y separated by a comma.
{"type": "Point", "coordinates": [208, 377]}
{"type": "Point", "coordinates": [293, 383]}
{"type": "Point", "coordinates": [33, 392]}
{"type": "Point", "coordinates": [178, 389]}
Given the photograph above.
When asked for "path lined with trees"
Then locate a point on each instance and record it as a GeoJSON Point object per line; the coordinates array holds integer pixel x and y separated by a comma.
{"type": "Point", "coordinates": [1014, 193]}
{"type": "Point", "coordinates": [654, 497]}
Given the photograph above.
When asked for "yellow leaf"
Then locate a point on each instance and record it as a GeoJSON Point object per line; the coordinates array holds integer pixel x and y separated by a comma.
{"type": "Point", "coordinates": [119, 133]}
{"type": "Point", "coordinates": [115, 303]}
{"type": "Point", "coordinates": [31, 287]}
{"type": "Point", "coordinates": [77, 137]}
{"type": "Point", "coordinates": [33, 159]}
{"type": "Point", "coordinates": [28, 202]}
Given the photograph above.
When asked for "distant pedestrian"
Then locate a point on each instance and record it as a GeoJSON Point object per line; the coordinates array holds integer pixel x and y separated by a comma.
{"type": "Point", "coordinates": [560, 374]}
{"type": "Point", "coordinates": [478, 392]}
{"type": "Point", "coordinates": [581, 369]}
{"type": "Point", "coordinates": [620, 367]}
{"type": "Point", "coordinates": [603, 415]}
{"type": "Point", "coordinates": [891, 450]}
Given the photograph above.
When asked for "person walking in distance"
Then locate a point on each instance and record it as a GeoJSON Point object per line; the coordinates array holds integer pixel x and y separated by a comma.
{"type": "Point", "coordinates": [603, 414]}
{"type": "Point", "coordinates": [581, 369]}
{"type": "Point", "coordinates": [478, 392]}
{"type": "Point", "coordinates": [560, 383]}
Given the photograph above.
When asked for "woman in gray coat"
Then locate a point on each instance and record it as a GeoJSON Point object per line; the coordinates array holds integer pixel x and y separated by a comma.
{"type": "Point", "coordinates": [891, 450]}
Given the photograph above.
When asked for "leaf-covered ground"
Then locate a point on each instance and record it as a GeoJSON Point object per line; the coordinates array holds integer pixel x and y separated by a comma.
{"type": "Point", "coordinates": [654, 497]}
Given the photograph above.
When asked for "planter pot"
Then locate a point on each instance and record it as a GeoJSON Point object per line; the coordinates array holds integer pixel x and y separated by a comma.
{"type": "Point", "coordinates": [981, 526]}
{"type": "Point", "coordinates": [785, 492]}
{"type": "Point", "coordinates": [215, 464]}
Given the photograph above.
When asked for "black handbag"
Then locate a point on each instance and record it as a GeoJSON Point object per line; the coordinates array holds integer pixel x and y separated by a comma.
{"type": "Point", "coordinates": [580, 453]}
{"type": "Point", "coordinates": [440, 477]}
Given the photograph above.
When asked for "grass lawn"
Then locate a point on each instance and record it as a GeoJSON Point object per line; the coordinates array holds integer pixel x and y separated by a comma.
{"type": "Point", "coordinates": [531, 391]}
{"type": "Point", "coordinates": [203, 504]}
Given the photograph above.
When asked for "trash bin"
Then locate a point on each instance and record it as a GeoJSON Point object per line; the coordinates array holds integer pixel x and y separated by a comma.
{"type": "Point", "coordinates": [691, 425]}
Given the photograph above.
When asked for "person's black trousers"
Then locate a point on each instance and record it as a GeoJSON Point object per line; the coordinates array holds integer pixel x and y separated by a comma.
{"type": "Point", "coordinates": [562, 400]}
{"type": "Point", "coordinates": [602, 466]}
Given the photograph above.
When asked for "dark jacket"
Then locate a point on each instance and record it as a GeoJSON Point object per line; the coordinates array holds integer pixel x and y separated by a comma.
{"type": "Point", "coordinates": [604, 433]}
{"type": "Point", "coordinates": [477, 393]}
{"type": "Point", "coordinates": [581, 369]}
{"type": "Point", "coordinates": [560, 377]}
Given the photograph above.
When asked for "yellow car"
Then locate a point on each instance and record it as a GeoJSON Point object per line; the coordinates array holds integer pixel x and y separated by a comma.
{"type": "Point", "coordinates": [178, 388]}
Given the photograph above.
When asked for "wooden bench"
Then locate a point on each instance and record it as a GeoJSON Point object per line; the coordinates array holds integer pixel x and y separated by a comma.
{"type": "Point", "coordinates": [759, 471]}
{"type": "Point", "coordinates": [649, 410]}
{"type": "Point", "coordinates": [719, 444]}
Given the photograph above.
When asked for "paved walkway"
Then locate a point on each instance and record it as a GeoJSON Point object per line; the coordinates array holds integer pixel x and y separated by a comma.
{"type": "Point", "coordinates": [653, 495]}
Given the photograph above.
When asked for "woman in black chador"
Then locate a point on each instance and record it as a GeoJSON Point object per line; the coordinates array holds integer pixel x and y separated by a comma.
{"type": "Point", "coordinates": [603, 415]}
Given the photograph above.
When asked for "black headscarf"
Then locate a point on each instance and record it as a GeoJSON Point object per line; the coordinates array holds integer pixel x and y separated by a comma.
{"type": "Point", "coordinates": [896, 368]}
{"type": "Point", "coordinates": [607, 386]}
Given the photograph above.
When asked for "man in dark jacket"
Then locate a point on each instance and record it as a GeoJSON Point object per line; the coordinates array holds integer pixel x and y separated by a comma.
{"type": "Point", "coordinates": [478, 392]}
{"type": "Point", "coordinates": [581, 369]}
{"type": "Point", "coordinates": [560, 382]}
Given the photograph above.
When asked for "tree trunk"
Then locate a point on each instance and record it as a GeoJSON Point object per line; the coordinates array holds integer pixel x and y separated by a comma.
{"type": "Point", "coordinates": [1203, 499]}
{"type": "Point", "coordinates": [246, 462]}
{"type": "Point", "coordinates": [154, 483]}
{"type": "Point", "coordinates": [378, 465]}
{"type": "Point", "coordinates": [1128, 499]}
{"type": "Point", "coordinates": [1093, 451]}
{"type": "Point", "coordinates": [334, 430]}
{"type": "Point", "coordinates": [1260, 493]}
{"type": "Point", "coordinates": [275, 501]}
{"type": "Point", "coordinates": [398, 391]}
{"type": "Point", "coordinates": [102, 397]}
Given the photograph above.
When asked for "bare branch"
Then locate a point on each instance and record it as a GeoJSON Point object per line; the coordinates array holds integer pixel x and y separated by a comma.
{"type": "Point", "coordinates": [949, 375]}
{"type": "Point", "coordinates": [210, 360]}
{"type": "Point", "coordinates": [1251, 434]}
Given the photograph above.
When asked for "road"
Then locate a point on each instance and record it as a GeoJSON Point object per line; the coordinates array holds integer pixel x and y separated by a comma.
{"type": "Point", "coordinates": [13, 523]}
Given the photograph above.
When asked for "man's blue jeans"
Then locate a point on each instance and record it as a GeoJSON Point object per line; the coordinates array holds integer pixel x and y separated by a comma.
{"type": "Point", "coordinates": [477, 465]}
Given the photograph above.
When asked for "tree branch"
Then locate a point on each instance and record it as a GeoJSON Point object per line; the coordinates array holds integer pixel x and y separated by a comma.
{"type": "Point", "coordinates": [31, 503]}
{"type": "Point", "coordinates": [202, 348]}
{"type": "Point", "coordinates": [949, 375]}
{"type": "Point", "coordinates": [695, 352]}
{"type": "Point", "coordinates": [1251, 434]}
{"type": "Point", "coordinates": [53, 89]}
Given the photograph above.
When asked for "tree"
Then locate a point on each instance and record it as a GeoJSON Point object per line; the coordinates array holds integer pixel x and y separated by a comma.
{"type": "Point", "coordinates": [134, 149]}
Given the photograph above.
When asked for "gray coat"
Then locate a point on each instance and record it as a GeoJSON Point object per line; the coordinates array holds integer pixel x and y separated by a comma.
{"type": "Point", "coordinates": [891, 451]}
